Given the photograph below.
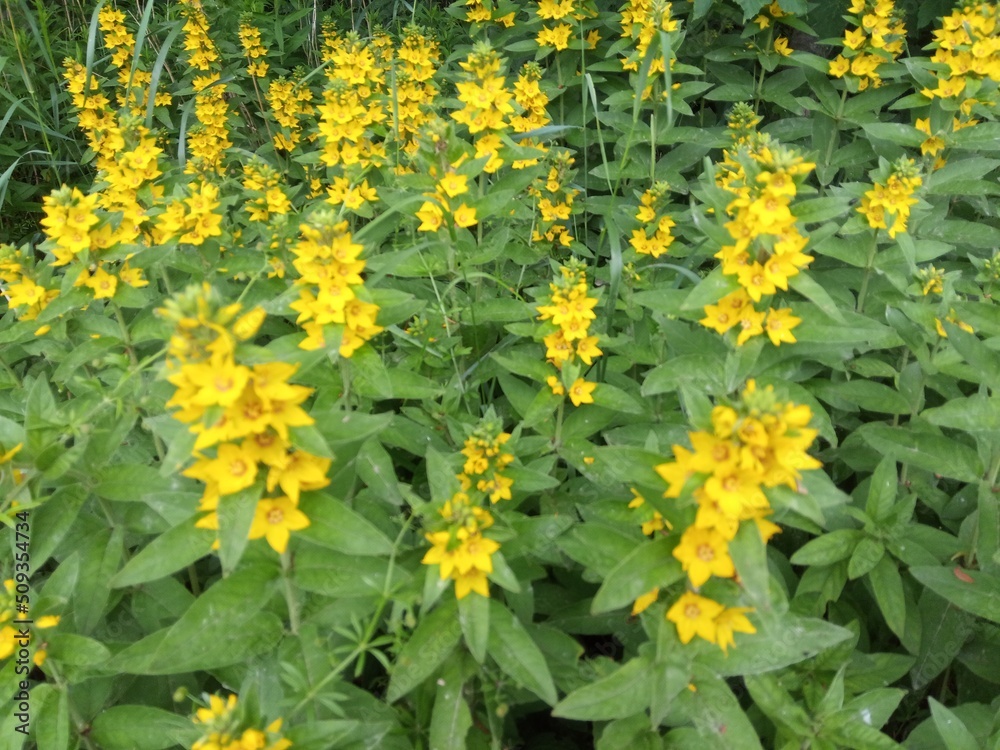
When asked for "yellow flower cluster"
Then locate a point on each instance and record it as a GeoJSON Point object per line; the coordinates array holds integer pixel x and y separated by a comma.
{"type": "Point", "coordinates": [767, 246]}
{"type": "Point", "coordinates": [459, 548]}
{"type": "Point", "coordinates": [129, 175]}
{"type": "Point", "coordinates": [555, 32]}
{"type": "Point", "coordinates": [201, 50]}
{"type": "Point", "coordinates": [69, 218]}
{"type": "Point", "coordinates": [254, 50]}
{"type": "Point", "coordinates": [93, 115]}
{"type": "Point", "coordinates": [532, 100]}
{"type": "Point", "coordinates": [344, 124]}
{"type": "Point", "coordinates": [289, 103]}
{"type": "Point", "coordinates": [486, 100]}
{"type": "Point", "coordinates": [328, 260]}
{"type": "Point", "coordinates": [968, 43]}
{"type": "Point", "coordinates": [756, 444]}
{"type": "Point", "coordinates": [654, 238]}
{"type": "Point", "coordinates": [887, 206]}
{"type": "Point", "coordinates": [10, 638]}
{"type": "Point", "coordinates": [353, 101]}
{"type": "Point", "coordinates": [209, 139]}
{"type": "Point", "coordinates": [352, 197]}
{"type": "Point", "coordinates": [418, 58]}
{"type": "Point", "coordinates": [243, 412]}
{"type": "Point", "coordinates": [220, 724]}
{"type": "Point", "coordinates": [22, 285]}
{"type": "Point", "coordinates": [555, 202]}
{"type": "Point", "coordinates": [878, 37]}
{"type": "Point", "coordinates": [951, 317]}
{"type": "Point", "coordinates": [480, 11]}
{"type": "Point", "coordinates": [446, 200]}
{"type": "Point", "coordinates": [652, 521]}
{"type": "Point", "coordinates": [642, 22]}
{"type": "Point", "coordinates": [569, 311]}
{"type": "Point", "coordinates": [117, 37]}
{"type": "Point", "coordinates": [264, 196]}
{"type": "Point", "coordinates": [193, 219]}
{"type": "Point", "coordinates": [485, 460]}
{"type": "Point", "coordinates": [120, 41]}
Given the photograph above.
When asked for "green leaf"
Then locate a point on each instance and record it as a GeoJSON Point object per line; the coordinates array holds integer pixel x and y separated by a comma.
{"type": "Point", "coordinates": [844, 729]}
{"type": "Point", "coordinates": [701, 370]}
{"type": "Point", "coordinates": [809, 288]}
{"type": "Point", "coordinates": [52, 727]}
{"type": "Point", "coordinates": [924, 450]}
{"type": "Point", "coordinates": [129, 482]}
{"type": "Point", "coordinates": [375, 469]}
{"type": "Point", "coordinates": [53, 520]}
{"type": "Point", "coordinates": [617, 696]}
{"type": "Point", "coordinates": [868, 395]}
{"type": "Point", "coordinates": [141, 728]}
{"type": "Point", "coordinates": [976, 413]}
{"type": "Point", "coordinates": [882, 490]}
{"type": "Point", "coordinates": [225, 625]}
{"type": "Point", "coordinates": [517, 654]}
{"type": "Point", "coordinates": [984, 136]}
{"type": "Point", "coordinates": [333, 524]}
{"type": "Point", "coordinates": [166, 554]}
{"type": "Point", "coordinates": [829, 548]}
{"type": "Point", "coordinates": [865, 557]}
{"type": "Point", "coordinates": [649, 565]}
{"type": "Point", "coordinates": [451, 718]}
{"type": "Point", "coordinates": [888, 587]}
{"type": "Point", "coordinates": [427, 648]}
{"type": "Point", "coordinates": [953, 731]}
{"type": "Point", "coordinates": [610, 397]}
{"type": "Point", "coordinates": [236, 513]}
{"type": "Point", "coordinates": [597, 546]}
{"type": "Point", "coordinates": [943, 629]}
{"type": "Point", "coordinates": [78, 650]}
{"type": "Point", "coordinates": [777, 704]}
{"type": "Point", "coordinates": [973, 591]}
{"type": "Point", "coordinates": [782, 639]}
{"type": "Point", "coordinates": [895, 132]}
{"type": "Point", "coordinates": [474, 617]}
{"type": "Point", "coordinates": [710, 290]}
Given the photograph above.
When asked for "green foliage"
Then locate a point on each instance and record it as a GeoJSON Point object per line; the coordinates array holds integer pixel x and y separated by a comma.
{"type": "Point", "coordinates": [579, 466]}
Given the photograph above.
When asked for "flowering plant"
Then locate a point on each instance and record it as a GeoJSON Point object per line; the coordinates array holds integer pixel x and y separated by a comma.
{"type": "Point", "coordinates": [615, 372]}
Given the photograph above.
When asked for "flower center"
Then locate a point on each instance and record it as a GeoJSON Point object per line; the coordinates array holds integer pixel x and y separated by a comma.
{"type": "Point", "coordinates": [275, 516]}
{"type": "Point", "coordinates": [705, 553]}
{"type": "Point", "coordinates": [692, 611]}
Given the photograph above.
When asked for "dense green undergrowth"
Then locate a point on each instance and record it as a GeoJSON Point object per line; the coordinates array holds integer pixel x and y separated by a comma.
{"type": "Point", "coordinates": [541, 374]}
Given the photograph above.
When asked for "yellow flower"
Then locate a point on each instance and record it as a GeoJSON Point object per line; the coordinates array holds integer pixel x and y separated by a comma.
{"type": "Point", "coordinates": [645, 600]}
{"type": "Point", "coordinates": [580, 392]}
{"type": "Point", "coordinates": [275, 519]}
{"type": "Point", "coordinates": [780, 324]}
{"type": "Point", "coordinates": [6, 457]}
{"type": "Point", "coordinates": [695, 615]}
{"type": "Point", "coordinates": [556, 385]}
{"type": "Point", "coordinates": [101, 282]}
{"type": "Point", "coordinates": [464, 216]}
{"type": "Point", "coordinates": [729, 621]}
{"type": "Point", "coordinates": [230, 471]}
{"type": "Point", "coordinates": [431, 216]}
{"type": "Point", "coordinates": [453, 184]}
{"type": "Point", "coordinates": [781, 46]}
{"type": "Point", "coordinates": [704, 553]}
{"type": "Point", "coordinates": [474, 580]}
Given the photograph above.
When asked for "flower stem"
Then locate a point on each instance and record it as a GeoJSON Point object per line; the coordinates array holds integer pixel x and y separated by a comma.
{"type": "Point", "coordinates": [863, 292]}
